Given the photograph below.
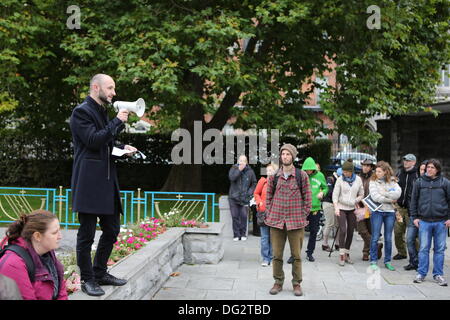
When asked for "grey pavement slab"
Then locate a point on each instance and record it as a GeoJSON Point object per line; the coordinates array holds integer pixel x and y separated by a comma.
{"type": "Point", "coordinates": [240, 276]}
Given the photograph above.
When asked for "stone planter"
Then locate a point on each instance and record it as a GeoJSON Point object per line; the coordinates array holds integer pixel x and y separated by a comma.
{"type": "Point", "coordinates": [203, 245]}
{"type": "Point", "coordinates": [148, 268]}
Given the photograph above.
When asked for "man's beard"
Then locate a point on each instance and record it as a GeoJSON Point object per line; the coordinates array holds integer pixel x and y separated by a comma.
{"type": "Point", "coordinates": [102, 97]}
{"type": "Point", "coordinates": [287, 163]}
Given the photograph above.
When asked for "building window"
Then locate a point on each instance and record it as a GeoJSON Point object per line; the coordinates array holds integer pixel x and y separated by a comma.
{"type": "Point", "coordinates": [322, 84]}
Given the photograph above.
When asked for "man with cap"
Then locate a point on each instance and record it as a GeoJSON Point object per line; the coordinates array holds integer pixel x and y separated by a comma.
{"type": "Point", "coordinates": [407, 175]}
{"type": "Point", "coordinates": [288, 202]}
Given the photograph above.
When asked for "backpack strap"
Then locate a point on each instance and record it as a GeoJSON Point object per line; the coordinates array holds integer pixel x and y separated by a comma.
{"type": "Point", "coordinates": [298, 177]}
{"type": "Point", "coordinates": [23, 253]}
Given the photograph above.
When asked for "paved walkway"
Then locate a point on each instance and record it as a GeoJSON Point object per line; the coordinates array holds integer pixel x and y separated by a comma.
{"type": "Point", "coordinates": [239, 276]}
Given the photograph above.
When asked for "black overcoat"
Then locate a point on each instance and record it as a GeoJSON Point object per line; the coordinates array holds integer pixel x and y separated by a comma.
{"type": "Point", "coordinates": [95, 187]}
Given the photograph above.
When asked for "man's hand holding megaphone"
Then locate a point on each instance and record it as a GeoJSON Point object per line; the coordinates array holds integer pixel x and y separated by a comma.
{"type": "Point", "coordinates": [123, 115]}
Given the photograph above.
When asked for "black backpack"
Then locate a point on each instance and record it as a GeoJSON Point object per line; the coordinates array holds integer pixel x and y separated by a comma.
{"type": "Point", "coordinates": [298, 177]}
{"type": "Point", "coordinates": [21, 252]}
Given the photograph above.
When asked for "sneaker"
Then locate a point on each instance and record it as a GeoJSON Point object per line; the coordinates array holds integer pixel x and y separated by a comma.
{"type": "Point", "coordinates": [440, 280]}
{"type": "Point", "coordinates": [410, 267]}
{"type": "Point", "coordinates": [310, 258]}
{"type": "Point", "coordinates": [236, 239]}
{"type": "Point", "coordinates": [399, 256]}
{"type": "Point", "coordinates": [389, 266]}
{"type": "Point", "coordinates": [419, 279]}
{"type": "Point", "coordinates": [265, 264]}
{"type": "Point", "coordinates": [290, 260]}
{"type": "Point", "coordinates": [373, 266]}
{"type": "Point", "coordinates": [243, 238]}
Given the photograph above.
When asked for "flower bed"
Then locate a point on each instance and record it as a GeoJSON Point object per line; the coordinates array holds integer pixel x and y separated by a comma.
{"type": "Point", "coordinates": [129, 240]}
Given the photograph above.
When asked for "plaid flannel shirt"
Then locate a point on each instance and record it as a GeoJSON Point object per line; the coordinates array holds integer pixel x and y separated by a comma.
{"type": "Point", "coordinates": [287, 205]}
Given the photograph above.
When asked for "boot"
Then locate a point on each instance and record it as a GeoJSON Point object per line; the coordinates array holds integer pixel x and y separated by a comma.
{"type": "Point", "coordinates": [380, 250]}
{"type": "Point", "coordinates": [298, 290]}
{"type": "Point", "coordinates": [277, 288]}
{"type": "Point", "coordinates": [347, 259]}
{"type": "Point", "coordinates": [342, 259]}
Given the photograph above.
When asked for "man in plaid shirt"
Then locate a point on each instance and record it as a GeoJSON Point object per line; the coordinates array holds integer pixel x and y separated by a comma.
{"type": "Point", "coordinates": [288, 208]}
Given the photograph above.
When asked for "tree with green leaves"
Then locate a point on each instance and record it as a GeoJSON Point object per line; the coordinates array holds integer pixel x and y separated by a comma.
{"type": "Point", "coordinates": [244, 58]}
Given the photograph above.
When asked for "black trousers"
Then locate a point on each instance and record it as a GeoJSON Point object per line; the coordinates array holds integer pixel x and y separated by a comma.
{"type": "Point", "coordinates": [110, 226]}
{"type": "Point", "coordinates": [314, 221]}
{"type": "Point", "coordinates": [239, 215]}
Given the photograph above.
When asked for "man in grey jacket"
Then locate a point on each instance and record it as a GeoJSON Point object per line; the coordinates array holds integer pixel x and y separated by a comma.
{"type": "Point", "coordinates": [430, 211]}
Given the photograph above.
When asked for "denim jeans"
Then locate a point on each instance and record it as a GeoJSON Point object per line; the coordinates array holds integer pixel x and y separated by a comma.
{"type": "Point", "coordinates": [266, 245]}
{"type": "Point", "coordinates": [436, 231]}
{"type": "Point", "coordinates": [377, 219]}
{"type": "Point", "coordinates": [412, 233]}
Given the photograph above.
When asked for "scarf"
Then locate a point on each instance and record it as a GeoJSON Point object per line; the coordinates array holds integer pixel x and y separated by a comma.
{"type": "Point", "coordinates": [349, 180]}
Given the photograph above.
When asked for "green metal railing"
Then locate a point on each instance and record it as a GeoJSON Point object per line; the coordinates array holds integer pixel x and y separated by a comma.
{"type": "Point", "coordinates": [137, 205]}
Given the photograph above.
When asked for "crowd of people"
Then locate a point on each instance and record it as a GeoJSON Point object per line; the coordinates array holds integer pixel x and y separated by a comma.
{"type": "Point", "coordinates": [411, 207]}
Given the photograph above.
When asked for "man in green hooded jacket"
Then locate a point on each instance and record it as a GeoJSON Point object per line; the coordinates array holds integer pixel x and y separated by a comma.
{"type": "Point", "coordinates": [319, 190]}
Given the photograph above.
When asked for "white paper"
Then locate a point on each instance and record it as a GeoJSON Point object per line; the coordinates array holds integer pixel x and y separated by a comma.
{"type": "Point", "coordinates": [120, 152]}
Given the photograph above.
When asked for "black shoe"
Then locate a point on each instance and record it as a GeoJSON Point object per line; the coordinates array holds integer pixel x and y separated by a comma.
{"type": "Point", "coordinates": [398, 256]}
{"type": "Point", "coordinates": [110, 280]}
{"type": "Point", "coordinates": [310, 258]}
{"type": "Point", "coordinates": [290, 260]}
{"type": "Point", "coordinates": [410, 267]}
{"type": "Point", "coordinates": [92, 288]}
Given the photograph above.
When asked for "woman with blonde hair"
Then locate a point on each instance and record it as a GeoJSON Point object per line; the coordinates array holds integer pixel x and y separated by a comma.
{"type": "Point", "coordinates": [260, 199]}
{"type": "Point", "coordinates": [383, 189]}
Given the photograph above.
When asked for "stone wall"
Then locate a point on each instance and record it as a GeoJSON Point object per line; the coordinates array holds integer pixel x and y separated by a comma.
{"type": "Point", "coordinates": [148, 268]}
{"type": "Point", "coordinates": [203, 246]}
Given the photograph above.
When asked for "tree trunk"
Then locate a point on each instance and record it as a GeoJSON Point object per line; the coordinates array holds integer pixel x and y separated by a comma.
{"type": "Point", "coordinates": [184, 178]}
{"type": "Point", "coordinates": [188, 177]}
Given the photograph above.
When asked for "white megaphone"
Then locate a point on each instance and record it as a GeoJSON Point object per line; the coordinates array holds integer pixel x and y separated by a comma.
{"type": "Point", "coordinates": [137, 106]}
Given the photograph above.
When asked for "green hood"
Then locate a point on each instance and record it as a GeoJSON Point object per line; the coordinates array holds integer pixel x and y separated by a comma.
{"type": "Point", "coordinates": [309, 164]}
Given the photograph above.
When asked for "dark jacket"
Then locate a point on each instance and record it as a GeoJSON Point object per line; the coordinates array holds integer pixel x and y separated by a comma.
{"type": "Point", "coordinates": [406, 181]}
{"type": "Point", "coordinates": [331, 181]}
{"type": "Point", "coordinates": [430, 199]}
{"type": "Point", "coordinates": [95, 187]}
{"type": "Point", "coordinates": [242, 184]}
